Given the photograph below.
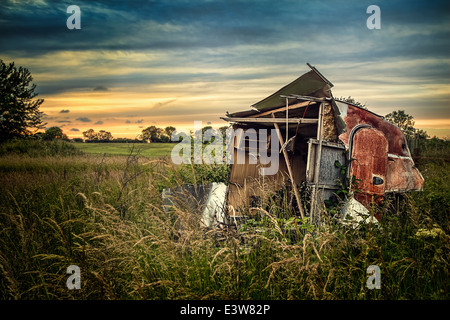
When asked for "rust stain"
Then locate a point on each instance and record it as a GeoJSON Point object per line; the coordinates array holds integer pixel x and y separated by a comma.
{"type": "Point", "coordinates": [403, 175]}
{"type": "Point", "coordinates": [395, 137]}
{"type": "Point", "coordinates": [395, 166]}
{"type": "Point", "coordinates": [370, 149]}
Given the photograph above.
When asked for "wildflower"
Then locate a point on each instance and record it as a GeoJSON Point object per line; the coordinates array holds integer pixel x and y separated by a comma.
{"type": "Point", "coordinates": [435, 232]}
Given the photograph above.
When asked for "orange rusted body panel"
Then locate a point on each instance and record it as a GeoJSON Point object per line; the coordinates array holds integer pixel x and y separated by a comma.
{"type": "Point", "coordinates": [396, 139]}
{"type": "Point", "coordinates": [381, 159]}
{"type": "Point", "coordinates": [369, 167]}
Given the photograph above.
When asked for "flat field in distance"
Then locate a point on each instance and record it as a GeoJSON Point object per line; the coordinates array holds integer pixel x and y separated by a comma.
{"type": "Point", "coordinates": [117, 148]}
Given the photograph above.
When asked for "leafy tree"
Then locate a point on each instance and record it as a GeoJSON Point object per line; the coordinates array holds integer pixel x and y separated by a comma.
{"type": "Point", "coordinates": [101, 136]}
{"type": "Point", "coordinates": [154, 134]}
{"type": "Point", "coordinates": [169, 130]}
{"type": "Point", "coordinates": [402, 120]}
{"type": "Point", "coordinates": [54, 133]}
{"type": "Point", "coordinates": [90, 135]}
{"type": "Point", "coordinates": [405, 122]}
{"type": "Point", "coordinates": [421, 134]}
{"type": "Point", "coordinates": [19, 110]}
{"type": "Point", "coordinates": [164, 138]}
{"type": "Point", "coordinates": [161, 135]}
{"type": "Point", "coordinates": [149, 134]}
{"type": "Point", "coordinates": [104, 136]}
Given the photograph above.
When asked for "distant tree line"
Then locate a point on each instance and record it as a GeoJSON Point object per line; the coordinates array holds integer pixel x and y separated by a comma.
{"type": "Point", "coordinates": [101, 136]}
{"type": "Point", "coordinates": [155, 134]}
{"type": "Point", "coordinates": [151, 134]}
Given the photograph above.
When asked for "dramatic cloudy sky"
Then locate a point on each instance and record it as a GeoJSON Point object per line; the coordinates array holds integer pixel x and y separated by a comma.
{"type": "Point", "coordinates": [140, 63]}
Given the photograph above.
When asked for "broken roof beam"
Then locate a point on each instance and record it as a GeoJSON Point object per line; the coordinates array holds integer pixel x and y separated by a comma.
{"type": "Point", "coordinates": [271, 120]}
{"type": "Point", "coordinates": [307, 98]}
{"type": "Point", "coordinates": [288, 165]}
{"type": "Point", "coordinates": [291, 107]}
{"type": "Point", "coordinates": [320, 75]}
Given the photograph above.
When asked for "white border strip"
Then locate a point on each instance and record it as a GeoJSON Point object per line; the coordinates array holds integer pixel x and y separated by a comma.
{"type": "Point", "coordinates": [390, 155]}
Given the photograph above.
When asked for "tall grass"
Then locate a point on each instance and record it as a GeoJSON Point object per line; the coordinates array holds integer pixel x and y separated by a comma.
{"type": "Point", "coordinates": [105, 215]}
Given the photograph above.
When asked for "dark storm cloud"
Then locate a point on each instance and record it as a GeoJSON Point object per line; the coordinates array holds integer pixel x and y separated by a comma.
{"type": "Point", "coordinates": [84, 119]}
{"type": "Point", "coordinates": [121, 25]}
{"type": "Point", "coordinates": [215, 36]}
{"type": "Point", "coordinates": [74, 129]}
{"type": "Point", "coordinates": [99, 122]}
{"type": "Point", "coordinates": [64, 111]}
{"type": "Point", "coordinates": [324, 31]}
{"type": "Point", "coordinates": [100, 88]}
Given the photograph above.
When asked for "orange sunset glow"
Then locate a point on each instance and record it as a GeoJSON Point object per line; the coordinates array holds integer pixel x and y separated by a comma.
{"type": "Point", "coordinates": [132, 66]}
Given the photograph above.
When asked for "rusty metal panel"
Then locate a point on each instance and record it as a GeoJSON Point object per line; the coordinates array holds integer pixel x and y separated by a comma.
{"type": "Point", "coordinates": [354, 116]}
{"type": "Point", "coordinates": [403, 175]}
{"type": "Point", "coordinates": [369, 163]}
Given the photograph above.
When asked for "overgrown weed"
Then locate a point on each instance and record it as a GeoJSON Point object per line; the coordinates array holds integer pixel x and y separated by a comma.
{"type": "Point", "coordinates": [106, 216]}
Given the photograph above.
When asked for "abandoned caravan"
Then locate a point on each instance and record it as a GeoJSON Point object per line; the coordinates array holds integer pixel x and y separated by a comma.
{"type": "Point", "coordinates": [318, 136]}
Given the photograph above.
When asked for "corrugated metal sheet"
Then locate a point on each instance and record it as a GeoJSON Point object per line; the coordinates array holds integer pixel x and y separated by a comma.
{"type": "Point", "coordinates": [309, 84]}
{"type": "Point", "coordinates": [369, 164]}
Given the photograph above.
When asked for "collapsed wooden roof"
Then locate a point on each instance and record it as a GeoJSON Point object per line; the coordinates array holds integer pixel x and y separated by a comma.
{"type": "Point", "coordinates": [311, 84]}
{"type": "Point", "coordinates": [296, 107]}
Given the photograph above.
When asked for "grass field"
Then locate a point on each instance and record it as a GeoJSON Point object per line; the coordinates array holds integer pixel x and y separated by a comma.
{"type": "Point", "coordinates": [60, 207]}
{"type": "Point", "coordinates": [144, 149]}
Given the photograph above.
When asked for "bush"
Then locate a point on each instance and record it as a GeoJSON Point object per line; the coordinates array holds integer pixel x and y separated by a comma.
{"type": "Point", "coordinates": [38, 148]}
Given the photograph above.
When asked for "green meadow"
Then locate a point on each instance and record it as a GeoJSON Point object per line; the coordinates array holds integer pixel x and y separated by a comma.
{"type": "Point", "coordinates": [65, 204]}
{"type": "Point", "coordinates": [144, 149]}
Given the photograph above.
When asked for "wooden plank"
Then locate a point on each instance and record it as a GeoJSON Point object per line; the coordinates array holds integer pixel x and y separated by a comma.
{"type": "Point", "coordinates": [287, 118]}
{"type": "Point", "coordinates": [326, 186]}
{"type": "Point", "coordinates": [310, 164]}
{"type": "Point", "coordinates": [269, 120]}
{"type": "Point", "coordinates": [291, 107]}
{"type": "Point", "coordinates": [328, 143]}
{"type": "Point", "coordinates": [317, 162]}
{"type": "Point", "coordinates": [288, 165]}
{"type": "Point", "coordinates": [300, 97]}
